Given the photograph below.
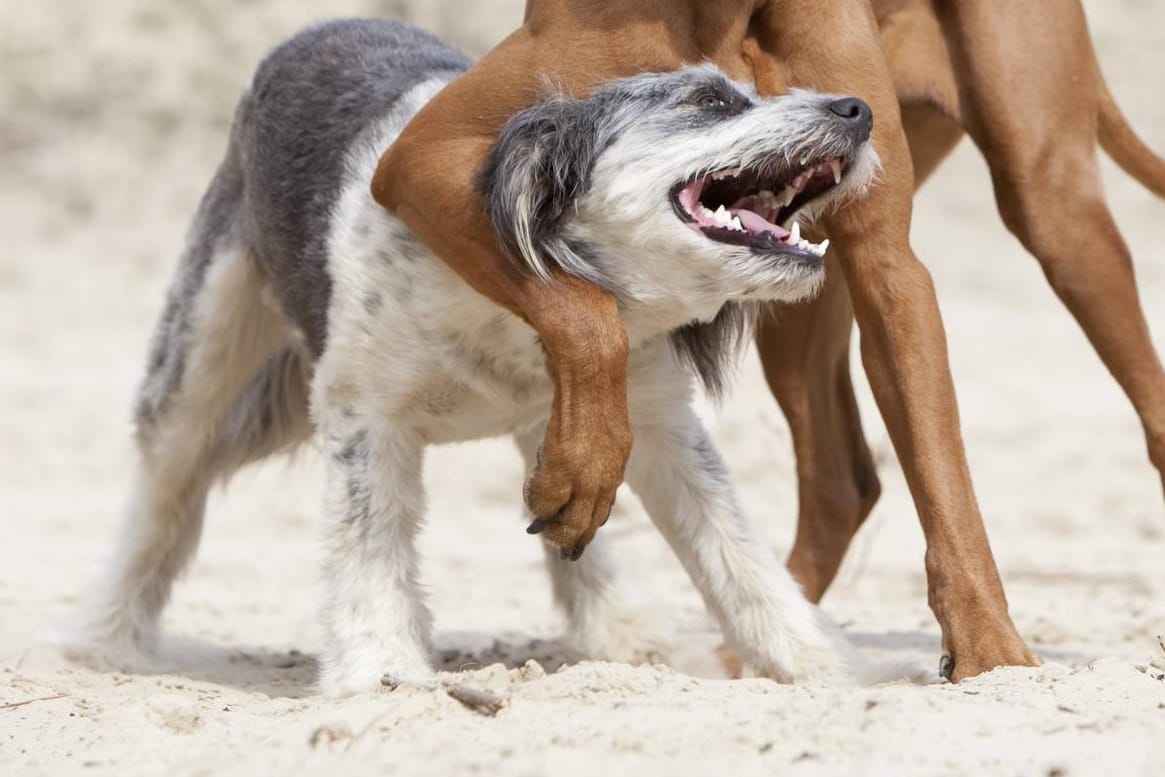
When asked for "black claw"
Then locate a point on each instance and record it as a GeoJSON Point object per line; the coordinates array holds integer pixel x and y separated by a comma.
{"type": "Point", "coordinates": [537, 525]}
{"type": "Point", "coordinates": [946, 666]}
{"type": "Point", "coordinates": [571, 554]}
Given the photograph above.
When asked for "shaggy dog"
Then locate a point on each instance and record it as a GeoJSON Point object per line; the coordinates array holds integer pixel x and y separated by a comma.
{"type": "Point", "coordinates": [301, 306]}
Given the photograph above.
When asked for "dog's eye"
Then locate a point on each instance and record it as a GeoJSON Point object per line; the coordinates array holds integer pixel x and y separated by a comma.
{"type": "Point", "coordinates": [711, 100]}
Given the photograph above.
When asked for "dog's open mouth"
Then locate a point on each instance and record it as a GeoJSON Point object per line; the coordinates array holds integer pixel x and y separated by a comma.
{"type": "Point", "coordinates": [747, 206]}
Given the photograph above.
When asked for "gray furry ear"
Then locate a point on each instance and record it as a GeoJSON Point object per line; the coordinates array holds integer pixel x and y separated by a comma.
{"type": "Point", "coordinates": [710, 348]}
{"type": "Point", "coordinates": [541, 163]}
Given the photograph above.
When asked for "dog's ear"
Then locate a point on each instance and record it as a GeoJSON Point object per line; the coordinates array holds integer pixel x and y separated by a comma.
{"type": "Point", "coordinates": [541, 163]}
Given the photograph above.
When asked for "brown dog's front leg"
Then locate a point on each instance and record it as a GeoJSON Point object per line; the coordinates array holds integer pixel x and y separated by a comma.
{"type": "Point", "coordinates": [805, 352]}
{"type": "Point", "coordinates": [426, 178]}
{"type": "Point", "coordinates": [903, 342]}
{"type": "Point", "coordinates": [588, 438]}
{"type": "Point", "coordinates": [905, 355]}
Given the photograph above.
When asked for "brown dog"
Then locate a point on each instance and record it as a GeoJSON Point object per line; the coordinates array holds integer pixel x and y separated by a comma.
{"type": "Point", "coordinates": [948, 69]}
{"type": "Point", "coordinates": [1031, 96]}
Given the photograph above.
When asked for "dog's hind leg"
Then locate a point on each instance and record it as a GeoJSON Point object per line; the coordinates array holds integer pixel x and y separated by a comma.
{"type": "Point", "coordinates": [604, 621]}
{"type": "Point", "coordinates": [225, 385]}
{"type": "Point", "coordinates": [1037, 126]}
{"type": "Point", "coordinates": [805, 353]}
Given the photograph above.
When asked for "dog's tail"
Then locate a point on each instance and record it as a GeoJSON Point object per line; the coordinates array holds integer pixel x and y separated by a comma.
{"type": "Point", "coordinates": [1121, 143]}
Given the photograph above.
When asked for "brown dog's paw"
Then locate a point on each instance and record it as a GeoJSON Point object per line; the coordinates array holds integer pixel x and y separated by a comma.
{"type": "Point", "coordinates": [985, 654]}
{"type": "Point", "coordinates": [570, 497]}
{"type": "Point", "coordinates": [572, 487]}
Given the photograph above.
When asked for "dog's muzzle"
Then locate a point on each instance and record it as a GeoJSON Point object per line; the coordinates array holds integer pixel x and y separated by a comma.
{"type": "Point", "coordinates": [750, 206]}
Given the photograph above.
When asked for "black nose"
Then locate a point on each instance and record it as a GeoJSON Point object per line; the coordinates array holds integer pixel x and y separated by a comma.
{"type": "Point", "coordinates": [855, 112]}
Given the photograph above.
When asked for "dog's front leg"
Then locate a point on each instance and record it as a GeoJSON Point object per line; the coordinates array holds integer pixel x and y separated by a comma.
{"type": "Point", "coordinates": [375, 620]}
{"type": "Point", "coordinates": [605, 618]}
{"type": "Point", "coordinates": [678, 475]}
{"type": "Point", "coordinates": [903, 344]}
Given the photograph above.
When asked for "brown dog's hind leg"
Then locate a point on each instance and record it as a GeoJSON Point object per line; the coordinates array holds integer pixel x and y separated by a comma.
{"type": "Point", "coordinates": [1037, 129]}
{"type": "Point", "coordinates": [805, 353]}
{"type": "Point", "coordinates": [932, 135]}
{"type": "Point", "coordinates": [1088, 265]}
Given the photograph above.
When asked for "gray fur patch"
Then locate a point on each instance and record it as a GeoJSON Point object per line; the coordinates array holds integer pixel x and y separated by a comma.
{"type": "Point", "coordinates": [710, 461]}
{"type": "Point", "coordinates": [353, 456]}
{"type": "Point", "coordinates": [540, 164]}
{"type": "Point", "coordinates": [710, 348]}
{"type": "Point", "coordinates": [311, 98]}
{"type": "Point", "coordinates": [216, 225]}
{"type": "Point", "coordinates": [373, 303]}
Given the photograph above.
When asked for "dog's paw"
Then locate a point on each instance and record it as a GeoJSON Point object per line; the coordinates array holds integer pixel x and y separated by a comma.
{"type": "Point", "coordinates": [983, 655]}
{"type": "Point", "coordinates": [104, 640]}
{"type": "Point", "coordinates": [624, 634]}
{"type": "Point", "coordinates": [570, 494]}
{"type": "Point", "coordinates": [353, 674]}
{"type": "Point", "coordinates": [341, 684]}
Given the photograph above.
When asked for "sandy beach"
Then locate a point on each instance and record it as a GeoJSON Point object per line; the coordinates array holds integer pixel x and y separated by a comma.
{"type": "Point", "coordinates": [112, 118]}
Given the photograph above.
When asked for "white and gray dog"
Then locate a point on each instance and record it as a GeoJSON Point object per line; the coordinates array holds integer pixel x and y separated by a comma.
{"type": "Point", "coordinates": [300, 305]}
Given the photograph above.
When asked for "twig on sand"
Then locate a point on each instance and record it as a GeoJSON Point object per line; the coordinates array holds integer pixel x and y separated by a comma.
{"type": "Point", "coordinates": [368, 727]}
{"type": "Point", "coordinates": [329, 736]}
{"type": "Point", "coordinates": [14, 704]}
{"type": "Point", "coordinates": [481, 702]}
{"type": "Point", "coordinates": [1161, 643]}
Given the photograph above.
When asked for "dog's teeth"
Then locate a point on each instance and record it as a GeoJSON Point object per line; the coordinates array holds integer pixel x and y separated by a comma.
{"type": "Point", "coordinates": [795, 233]}
{"type": "Point", "coordinates": [835, 166]}
{"type": "Point", "coordinates": [722, 174]}
{"type": "Point", "coordinates": [735, 224]}
{"type": "Point", "coordinates": [722, 216]}
{"type": "Point", "coordinates": [817, 249]}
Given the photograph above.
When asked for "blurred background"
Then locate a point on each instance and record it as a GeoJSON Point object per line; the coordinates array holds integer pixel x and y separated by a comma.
{"type": "Point", "coordinates": [113, 115]}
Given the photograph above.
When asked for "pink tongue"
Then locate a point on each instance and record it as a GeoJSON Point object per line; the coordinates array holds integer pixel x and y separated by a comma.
{"type": "Point", "coordinates": [754, 222]}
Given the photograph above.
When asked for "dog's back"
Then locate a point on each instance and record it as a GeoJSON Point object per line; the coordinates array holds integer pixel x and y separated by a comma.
{"type": "Point", "coordinates": [310, 100]}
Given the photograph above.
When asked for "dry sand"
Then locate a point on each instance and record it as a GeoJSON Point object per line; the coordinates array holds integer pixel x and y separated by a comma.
{"type": "Point", "coordinates": [112, 116]}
